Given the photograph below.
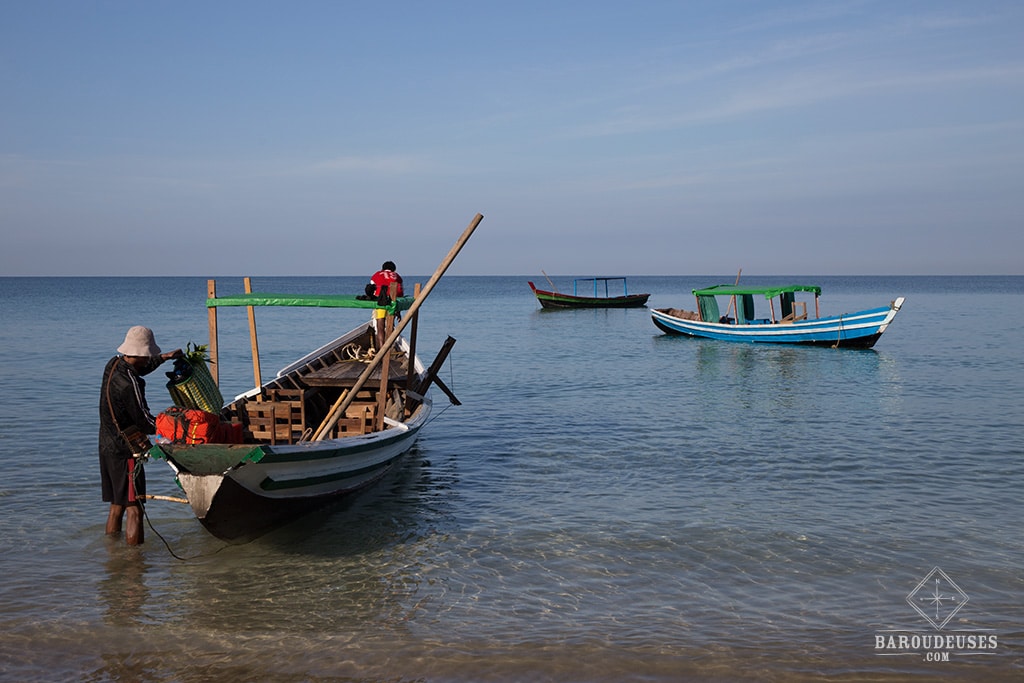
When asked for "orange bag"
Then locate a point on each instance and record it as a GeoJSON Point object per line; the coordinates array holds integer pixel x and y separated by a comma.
{"type": "Point", "coordinates": [188, 425]}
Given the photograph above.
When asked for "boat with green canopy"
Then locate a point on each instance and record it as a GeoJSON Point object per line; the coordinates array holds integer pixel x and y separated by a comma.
{"type": "Point", "coordinates": [331, 423]}
{"type": "Point", "coordinates": [774, 315]}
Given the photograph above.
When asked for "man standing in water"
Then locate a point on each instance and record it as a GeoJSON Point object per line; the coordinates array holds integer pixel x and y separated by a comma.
{"type": "Point", "coordinates": [125, 421]}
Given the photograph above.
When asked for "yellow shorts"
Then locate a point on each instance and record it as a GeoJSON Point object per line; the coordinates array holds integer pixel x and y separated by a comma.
{"type": "Point", "coordinates": [380, 313]}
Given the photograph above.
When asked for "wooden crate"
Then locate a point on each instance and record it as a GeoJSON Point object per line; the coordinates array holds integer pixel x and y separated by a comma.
{"type": "Point", "coordinates": [280, 418]}
{"type": "Point", "coordinates": [359, 418]}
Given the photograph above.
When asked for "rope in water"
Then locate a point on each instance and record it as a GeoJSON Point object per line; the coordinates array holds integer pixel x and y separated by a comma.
{"type": "Point", "coordinates": [145, 513]}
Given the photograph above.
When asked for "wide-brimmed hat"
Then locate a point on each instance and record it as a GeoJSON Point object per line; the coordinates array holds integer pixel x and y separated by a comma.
{"type": "Point", "coordinates": [139, 342]}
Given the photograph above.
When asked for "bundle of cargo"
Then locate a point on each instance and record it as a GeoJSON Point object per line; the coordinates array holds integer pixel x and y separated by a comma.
{"type": "Point", "coordinates": [194, 426]}
{"type": "Point", "coordinates": [190, 383]}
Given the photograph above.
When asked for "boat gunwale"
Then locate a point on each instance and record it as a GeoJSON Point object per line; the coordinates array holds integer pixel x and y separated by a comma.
{"type": "Point", "coordinates": [857, 319]}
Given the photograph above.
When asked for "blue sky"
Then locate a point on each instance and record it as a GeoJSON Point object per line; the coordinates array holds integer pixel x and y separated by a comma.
{"type": "Point", "coordinates": [664, 138]}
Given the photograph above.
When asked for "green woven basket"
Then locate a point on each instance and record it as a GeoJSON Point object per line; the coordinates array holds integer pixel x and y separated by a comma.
{"type": "Point", "coordinates": [197, 391]}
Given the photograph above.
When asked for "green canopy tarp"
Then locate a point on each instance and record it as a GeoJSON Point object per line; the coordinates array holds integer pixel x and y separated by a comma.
{"type": "Point", "coordinates": [316, 300]}
{"type": "Point", "coordinates": [768, 292]}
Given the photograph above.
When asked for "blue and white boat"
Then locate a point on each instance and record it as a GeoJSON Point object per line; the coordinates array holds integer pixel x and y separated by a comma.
{"type": "Point", "coordinates": [784, 319]}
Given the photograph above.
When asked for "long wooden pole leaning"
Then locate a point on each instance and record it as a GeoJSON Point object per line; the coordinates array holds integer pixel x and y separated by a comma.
{"type": "Point", "coordinates": [345, 400]}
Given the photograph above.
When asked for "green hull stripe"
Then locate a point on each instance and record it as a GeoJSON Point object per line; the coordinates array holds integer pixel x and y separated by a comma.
{"type": "Point", "coordinates": [270, 484]}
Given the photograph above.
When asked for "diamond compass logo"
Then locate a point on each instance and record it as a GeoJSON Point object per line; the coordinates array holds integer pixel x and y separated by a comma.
{"type": "Point", "coordinates": [937, 598]}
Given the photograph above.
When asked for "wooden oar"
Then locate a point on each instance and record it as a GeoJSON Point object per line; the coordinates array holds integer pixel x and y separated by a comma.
{"type": "Point", "coordinates": [171, 499]}
{"type": "Point", "coordinates": [553, 288]}
{"type": "Point", "coordinates": [345, 400]}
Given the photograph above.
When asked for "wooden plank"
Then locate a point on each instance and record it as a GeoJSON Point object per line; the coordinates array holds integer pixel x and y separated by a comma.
{"type": "Point", "coordinates": [345, 374]}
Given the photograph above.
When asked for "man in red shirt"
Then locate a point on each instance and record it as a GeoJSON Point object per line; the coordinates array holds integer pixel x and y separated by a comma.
{"type": "Point", "coordinates": [382, 280]}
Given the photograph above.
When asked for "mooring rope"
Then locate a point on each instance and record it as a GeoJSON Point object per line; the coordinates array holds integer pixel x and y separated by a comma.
{"type": "Point", "coordinates": [839, 337]}
{"type": "Point", "coordinates": [354, 351]}
{"type": "Point", "coordinates": [451, 384]}
{"type": "Point", "coordinates": [145, 513]}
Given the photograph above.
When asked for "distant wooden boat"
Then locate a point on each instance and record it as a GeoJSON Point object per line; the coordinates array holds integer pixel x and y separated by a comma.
{"type": "Point", "coordinates": [787, 320]}
{"type": "Point", "coordinates": [598, 299]}
{"type": "Point", "coordinates": [327, 425]}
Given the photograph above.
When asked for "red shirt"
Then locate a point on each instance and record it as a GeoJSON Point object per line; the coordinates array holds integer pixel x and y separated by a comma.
{"type": "Point", "coordinates": [383, 280]}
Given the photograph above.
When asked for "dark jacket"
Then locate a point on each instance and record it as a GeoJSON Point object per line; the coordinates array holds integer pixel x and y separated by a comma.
{"type": "Point", "coordinates": [127, 392]}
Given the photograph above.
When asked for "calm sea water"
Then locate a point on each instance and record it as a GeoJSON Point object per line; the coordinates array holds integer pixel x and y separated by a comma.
{"type": "Point", "coordinates": [608, 504]}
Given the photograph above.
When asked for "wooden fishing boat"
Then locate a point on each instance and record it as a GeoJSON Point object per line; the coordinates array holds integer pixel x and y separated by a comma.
{"type": "Point", "coordinates": [329, 424]}
{"type": "Point", "coordinates": [554, 299]}
{"type": "Point", "coordinates": [787, 320]}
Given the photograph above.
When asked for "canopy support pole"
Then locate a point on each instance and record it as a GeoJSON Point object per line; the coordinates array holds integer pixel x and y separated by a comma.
{"type": "Point", "coordinates": [732, 300]}
{"type": "Point", "coordinates": [385, 364]}
{"type": "Point", "coordinates": [411, 374]}
{"type": "Point", "coordinates": [211, 317]}
{"type": "Point", "coordinates": [257, 376]}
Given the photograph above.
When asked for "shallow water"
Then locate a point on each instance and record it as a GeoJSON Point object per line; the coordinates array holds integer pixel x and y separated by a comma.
{"type": "Point", "coordinates": [608, 503]}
